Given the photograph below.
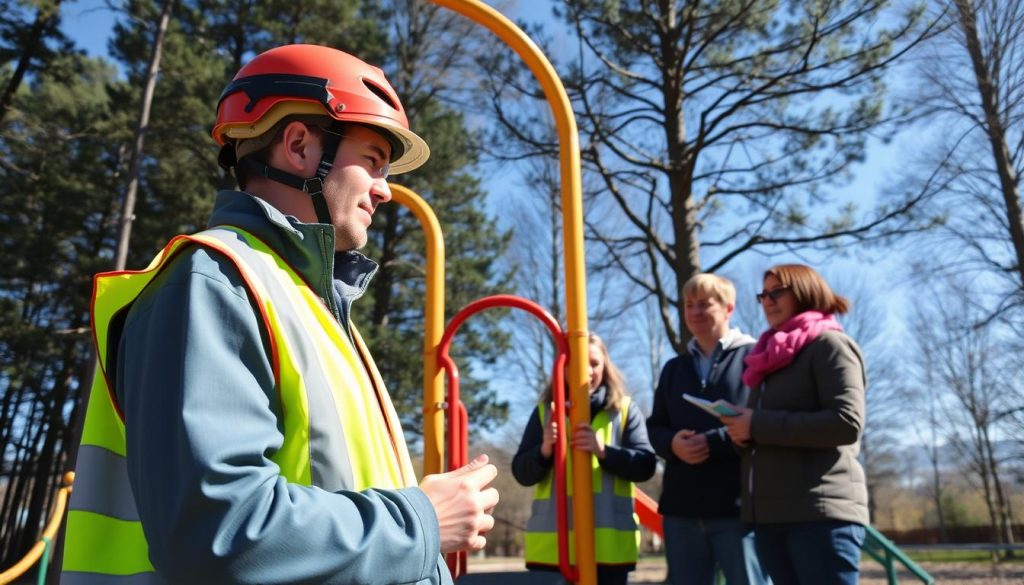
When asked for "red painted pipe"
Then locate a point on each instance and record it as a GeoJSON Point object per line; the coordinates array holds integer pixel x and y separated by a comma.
{"type": "Point", "coordinates": [458, 424]}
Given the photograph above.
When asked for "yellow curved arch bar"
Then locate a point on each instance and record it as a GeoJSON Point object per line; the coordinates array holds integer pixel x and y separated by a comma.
{"type": "Point", "coordinates": [572, 235]}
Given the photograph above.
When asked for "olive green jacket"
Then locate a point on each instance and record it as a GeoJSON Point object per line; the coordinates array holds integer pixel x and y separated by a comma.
{"type": "Point", "coordinates": [801, 464]}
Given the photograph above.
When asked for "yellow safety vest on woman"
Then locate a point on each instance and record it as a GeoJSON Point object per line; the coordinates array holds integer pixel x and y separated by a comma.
{"type": "Point", "coordinates": [616, 537]}
{"type": "Point", "coordinates": [326, 383]}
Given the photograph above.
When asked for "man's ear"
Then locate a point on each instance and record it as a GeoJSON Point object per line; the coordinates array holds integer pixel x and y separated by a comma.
{"type": "Point", "coordinates": [298, 151]}
{"type": "Point", "coordinates": [729, 308]}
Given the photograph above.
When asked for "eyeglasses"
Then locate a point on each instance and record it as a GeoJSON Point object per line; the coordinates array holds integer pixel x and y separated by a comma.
{"type": "Point", "coordinates": [775, 294]}
{"type": "Point", "coordinates": [377, 172]}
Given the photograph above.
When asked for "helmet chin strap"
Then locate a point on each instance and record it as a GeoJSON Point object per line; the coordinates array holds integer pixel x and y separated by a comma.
{"type": "Point", "coordinates": [313, 185]}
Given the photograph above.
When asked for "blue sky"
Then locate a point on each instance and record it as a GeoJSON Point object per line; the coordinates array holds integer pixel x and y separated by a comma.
{"type": "Point", "coordinates": [90, 23]}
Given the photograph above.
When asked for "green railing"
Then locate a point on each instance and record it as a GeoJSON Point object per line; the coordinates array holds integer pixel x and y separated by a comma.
{"type": "Point", "coordinates": [885, 552]}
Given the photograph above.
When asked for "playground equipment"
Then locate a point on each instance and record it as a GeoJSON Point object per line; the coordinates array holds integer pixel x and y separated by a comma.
{"type": "Point", "coordinates": [575, 272]}
{"type": "Point", "coordinates": [458, 428]}
{"type": "Point", "coordinates": [572, 344]}
{"type": "Point", "coordinates": [888, 555]}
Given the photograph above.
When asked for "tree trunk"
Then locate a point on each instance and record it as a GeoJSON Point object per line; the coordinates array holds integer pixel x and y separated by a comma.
{"type": "Point", "coordinates": [996, 132]}
{"type": "Point", "coordinates": [989, 493]}
{"type": "Point", "coordinates": [933, 452]}
{"type": "Point", "coordinates": [12, 525]}
{"type": "Point", "coordinates": [128, 210]}
{"type": "Point", "coordinates": [46, 13]}
{"type": "Point", "coordinates": [51, 433]}
{"type": "Point", "coordinates": [684, 213]}
{"type": "Point", "coordinates": [687, 249]}
{"type": "Point", "coordinates": [1002, 503]}
{"type": "Point", "coordinates": [866, 447]}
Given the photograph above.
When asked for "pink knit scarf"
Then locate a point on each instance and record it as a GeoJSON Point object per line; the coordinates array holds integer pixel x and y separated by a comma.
{"type": "Point", "coordinates": [777, 347]}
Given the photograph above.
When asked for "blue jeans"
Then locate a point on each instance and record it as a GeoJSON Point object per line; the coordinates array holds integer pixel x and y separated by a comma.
{"type": "Point", "coordinates": [695, 546]}
{"type": "Point", "coordinates": [810, 553]}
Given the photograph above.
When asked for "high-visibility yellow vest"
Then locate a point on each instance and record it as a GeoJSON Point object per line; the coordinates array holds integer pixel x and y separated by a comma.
{"type": "Point", "coordinates": [616, 538]}
{"type": "Point", "coordinates": [326, 383]}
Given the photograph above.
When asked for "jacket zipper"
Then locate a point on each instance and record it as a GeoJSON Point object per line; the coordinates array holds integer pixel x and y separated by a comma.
{"type": "Point", "coordinates": [711, 372]}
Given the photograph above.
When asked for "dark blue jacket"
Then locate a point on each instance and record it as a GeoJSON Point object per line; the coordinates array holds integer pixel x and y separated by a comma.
{"type": "Point", "coordinates": [710, 489]}
{"type": "Point", "coordinates": [633, 460]}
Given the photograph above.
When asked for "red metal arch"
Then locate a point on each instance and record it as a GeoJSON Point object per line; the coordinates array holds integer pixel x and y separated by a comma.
{"type": "Point", "coordinates": [458, 424]}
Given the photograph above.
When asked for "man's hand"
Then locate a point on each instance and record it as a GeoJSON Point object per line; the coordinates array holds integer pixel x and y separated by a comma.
{"type": "Point", "coordinates": [463, 505]}
{"type": "Point", "coordinates": [547, 446]}
{"type": "Point", "coordinates": [585, 439]}
{"type": "Point", "coordinates": [738, 426]}
{"type": "Point", "coordinates": [691, 447]}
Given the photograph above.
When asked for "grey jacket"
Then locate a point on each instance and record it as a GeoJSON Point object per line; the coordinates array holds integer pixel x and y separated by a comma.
{"type": "Point", "coordinates": [805, 437]}
{"type": "Point", "coordinates": [203, 415]}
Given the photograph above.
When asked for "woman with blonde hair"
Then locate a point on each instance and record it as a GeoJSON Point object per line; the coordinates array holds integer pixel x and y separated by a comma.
{"type": "Point", "coordinates": [622, 455]}
{"type": "Point", "coordinates": [803, 487]}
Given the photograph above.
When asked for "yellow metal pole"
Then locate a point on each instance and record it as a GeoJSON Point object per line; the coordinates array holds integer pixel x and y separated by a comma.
{"type": "Point", "coordinates": [433, 327]}
{"type": "Point", "coordinates": [575, 273]}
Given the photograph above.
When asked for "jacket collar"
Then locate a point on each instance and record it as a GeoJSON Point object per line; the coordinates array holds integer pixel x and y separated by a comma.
{"type": "Point", "coordinates": [732, 338]}
{"type": "Point", "coordinates": [307, 247]}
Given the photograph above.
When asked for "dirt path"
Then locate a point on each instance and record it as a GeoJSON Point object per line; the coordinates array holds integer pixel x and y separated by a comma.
{"type": "Point", "coordinates": [953, 574]}
{"type": "Point", "coordinates": [653, 571]}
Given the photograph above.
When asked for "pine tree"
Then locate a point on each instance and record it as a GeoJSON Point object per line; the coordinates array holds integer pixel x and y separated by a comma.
{"type": "Point", "coordinates": [59, 166]}
{"type": "Point", "coordinates": [30, 40]}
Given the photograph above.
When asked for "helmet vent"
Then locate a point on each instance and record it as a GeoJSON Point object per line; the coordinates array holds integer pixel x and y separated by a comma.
{"type": "Point", "coordinates": [379, 92]}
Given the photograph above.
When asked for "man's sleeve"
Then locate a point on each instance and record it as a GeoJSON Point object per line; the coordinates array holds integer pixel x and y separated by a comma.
{"type": "Point", "coordinates": [199, 399]}
{"type": "Point", "coordinates": [659, 425]}
{"type": "Point", "coordinates": [720, 446]}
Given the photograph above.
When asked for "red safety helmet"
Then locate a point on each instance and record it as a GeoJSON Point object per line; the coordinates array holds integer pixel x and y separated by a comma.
{"type": "Point", "coordinates": [321, 81]}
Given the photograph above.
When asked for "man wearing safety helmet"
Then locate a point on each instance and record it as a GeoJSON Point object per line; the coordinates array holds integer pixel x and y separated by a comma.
{"type": "Point", "coordinates": [237, 430]}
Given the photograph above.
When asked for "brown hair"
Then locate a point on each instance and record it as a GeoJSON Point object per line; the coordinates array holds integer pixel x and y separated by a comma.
{"type": "Point", "coordinates": [259, 148]}
{"type": "Point", "coordinates": [810, 289]}
{"type": "Point", "coordinates": [613, 381]}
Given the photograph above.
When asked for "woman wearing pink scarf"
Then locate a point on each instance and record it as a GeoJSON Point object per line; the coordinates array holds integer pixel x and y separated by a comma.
{"type": "Point", "coordinates": [803, 488]}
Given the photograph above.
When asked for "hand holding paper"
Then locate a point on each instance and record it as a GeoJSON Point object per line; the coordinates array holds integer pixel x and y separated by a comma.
{"type": "Point", "coordinates": [717, 408]}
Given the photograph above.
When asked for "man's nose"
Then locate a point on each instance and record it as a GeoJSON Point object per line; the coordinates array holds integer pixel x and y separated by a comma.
{"type": "Point", "coordinates": [380, 191]}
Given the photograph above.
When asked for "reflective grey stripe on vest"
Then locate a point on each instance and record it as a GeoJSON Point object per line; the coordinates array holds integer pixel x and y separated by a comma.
{"type": "Point", "coordinates": [543, 516]}
{"type": "Point", "coordinates": [77, 578]}
{"type": "Point", "coordinates": [330, 468]}
{"type": "Point", "coordinates": [104, 489]}
{"type": "Point", "coordinates": [610, 510]}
